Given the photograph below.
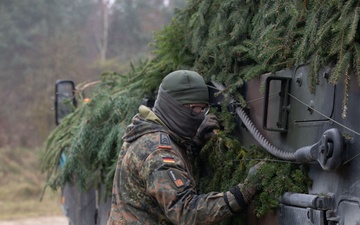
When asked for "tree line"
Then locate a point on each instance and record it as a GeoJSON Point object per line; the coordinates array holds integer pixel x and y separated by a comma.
{"type": "Point", "coordinates": [42, 41]}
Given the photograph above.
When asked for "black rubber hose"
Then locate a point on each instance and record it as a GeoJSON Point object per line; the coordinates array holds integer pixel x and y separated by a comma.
{"type": "Point", "coordinates": [257, 135]}
{"type": "Point", "coordinates": [261, 139]}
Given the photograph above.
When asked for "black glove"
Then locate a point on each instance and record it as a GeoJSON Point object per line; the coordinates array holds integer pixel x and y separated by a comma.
{"type": "Point", "coordinates": [206, 129]}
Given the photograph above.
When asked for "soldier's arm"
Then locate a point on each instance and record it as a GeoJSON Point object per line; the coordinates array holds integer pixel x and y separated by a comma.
{"type": "Point", "coordinates": [173, 188]}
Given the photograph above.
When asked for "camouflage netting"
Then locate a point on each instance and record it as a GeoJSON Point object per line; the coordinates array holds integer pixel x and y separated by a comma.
{"type": "Point", "coordinates": [228, 41]}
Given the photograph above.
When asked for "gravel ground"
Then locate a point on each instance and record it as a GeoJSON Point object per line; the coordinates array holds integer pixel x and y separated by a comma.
{"type": "Point", "coordinates": [57, 220]}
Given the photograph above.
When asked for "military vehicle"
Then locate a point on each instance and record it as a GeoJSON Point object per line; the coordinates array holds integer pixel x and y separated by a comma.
{"type": "Point", "coordinates": [291, 123]}
{"type": "Point", "coordinates": [295, 125]}
{"type": "Point", "coordinates": [80, 207]}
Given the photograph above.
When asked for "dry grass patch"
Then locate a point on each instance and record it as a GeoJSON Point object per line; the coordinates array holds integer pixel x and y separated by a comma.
{"type": "Point", "coordinates": [21, 186]}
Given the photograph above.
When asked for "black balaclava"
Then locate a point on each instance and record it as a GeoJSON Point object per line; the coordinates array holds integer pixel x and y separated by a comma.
{"type": "Point", "coordinates": [179, 88]}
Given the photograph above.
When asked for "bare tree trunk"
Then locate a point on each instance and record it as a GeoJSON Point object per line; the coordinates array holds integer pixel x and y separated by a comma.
{"type": "Point", "coordinates": [102, 41]}
{"type": "Point", "coordinates": [105, 15]}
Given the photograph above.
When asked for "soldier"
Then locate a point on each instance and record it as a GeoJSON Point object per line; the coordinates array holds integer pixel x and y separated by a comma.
{"type": "Point", "coordinates": [153, 182]}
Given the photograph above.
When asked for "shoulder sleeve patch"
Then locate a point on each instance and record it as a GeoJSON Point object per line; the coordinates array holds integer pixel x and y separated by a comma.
{"type": "Point", "coordinates": [177, 178]}
{"type": "Point", "coordinates": [164, 142]}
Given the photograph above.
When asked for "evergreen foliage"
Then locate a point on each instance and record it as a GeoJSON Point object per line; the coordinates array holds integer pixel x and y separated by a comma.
{"type": "Point", "coordinates": [228, 41]}
{"type": "Point", "coordinates": [228, 163]}
{"type": "Point", "coordinates": [244, 39]}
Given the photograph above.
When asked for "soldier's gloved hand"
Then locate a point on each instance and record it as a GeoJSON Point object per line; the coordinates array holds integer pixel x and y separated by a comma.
{"type": "Point", "coordinates": [254, 178]}
{"type": "Point", "coordinates": [206, 129]}
{"type": "Point", "coordinates": [238, 197]}
{"type": "Point", "coordinates": [254, 170]}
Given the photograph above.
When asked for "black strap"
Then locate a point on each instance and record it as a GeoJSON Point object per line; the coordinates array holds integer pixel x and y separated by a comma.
{"type": "Point", "coordinates": [227, 203]}
{"type": "Point", "coordinates": [238, 196]}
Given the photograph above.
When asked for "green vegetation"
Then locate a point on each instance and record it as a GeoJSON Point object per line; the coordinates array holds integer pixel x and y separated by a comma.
{"type": "Point", "coordinates": [229, 163]}
{"type": "Point", "coordinates": [230, 42]}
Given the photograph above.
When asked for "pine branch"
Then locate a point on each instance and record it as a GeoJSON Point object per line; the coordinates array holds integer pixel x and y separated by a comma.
{"type": "Point", "coordinates": [346, 92]}
{"type": "Point", "coordinates": [341, 66]}
{"type": "Point", "coordinates": [354, 25]}
{"type": "Point", "coordinates": [356, 62]}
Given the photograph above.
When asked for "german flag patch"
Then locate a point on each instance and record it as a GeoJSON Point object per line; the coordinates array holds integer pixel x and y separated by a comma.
{"type": "Point", "coordinates": [168, 159]}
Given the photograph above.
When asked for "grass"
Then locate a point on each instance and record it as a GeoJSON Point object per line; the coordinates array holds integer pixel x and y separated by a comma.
{"type": "Point", "coordinates": [21, 186]}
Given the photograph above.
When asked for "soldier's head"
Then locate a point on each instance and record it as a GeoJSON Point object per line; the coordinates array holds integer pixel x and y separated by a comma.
{"type": "Point", "coordinates": [182, 102]}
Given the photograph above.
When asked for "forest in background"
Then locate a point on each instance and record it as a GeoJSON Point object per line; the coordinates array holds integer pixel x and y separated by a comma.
{"type": "Point", "coordinates": [42, 41]}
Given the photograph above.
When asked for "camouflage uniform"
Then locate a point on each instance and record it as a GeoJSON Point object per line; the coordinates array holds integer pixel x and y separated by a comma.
{"type": "Point", "coordinates": [153, 182]}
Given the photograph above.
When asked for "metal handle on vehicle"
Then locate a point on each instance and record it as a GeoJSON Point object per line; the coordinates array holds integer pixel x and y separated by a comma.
{"type": "Point", "coordinates": [282, 123]}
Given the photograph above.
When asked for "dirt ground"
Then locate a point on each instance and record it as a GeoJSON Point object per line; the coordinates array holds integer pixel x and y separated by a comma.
{"type": "Point", "coordinates": [56, 220]}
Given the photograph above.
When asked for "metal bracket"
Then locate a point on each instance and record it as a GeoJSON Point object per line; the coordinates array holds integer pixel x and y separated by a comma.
{"type": "Point", "coordinates": [327, 151]}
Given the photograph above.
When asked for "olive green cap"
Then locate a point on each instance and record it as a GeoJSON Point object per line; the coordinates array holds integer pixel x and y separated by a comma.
{"type": "Point", "coordinates": [186, 87]}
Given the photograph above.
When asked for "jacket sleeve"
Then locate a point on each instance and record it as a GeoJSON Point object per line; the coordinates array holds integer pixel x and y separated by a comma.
{"type": "Point", "coordinates": [172, 187]}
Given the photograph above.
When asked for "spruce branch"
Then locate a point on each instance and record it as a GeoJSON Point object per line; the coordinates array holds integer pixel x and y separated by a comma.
{"type": "Point", "coordinates": [346, 92]}
{"type": "Point", "coordinates": [356, 62]}
{"type": "Point", "coordinates": [341, 67]}
{"type": "Point", "coordinates": [355, 15]}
